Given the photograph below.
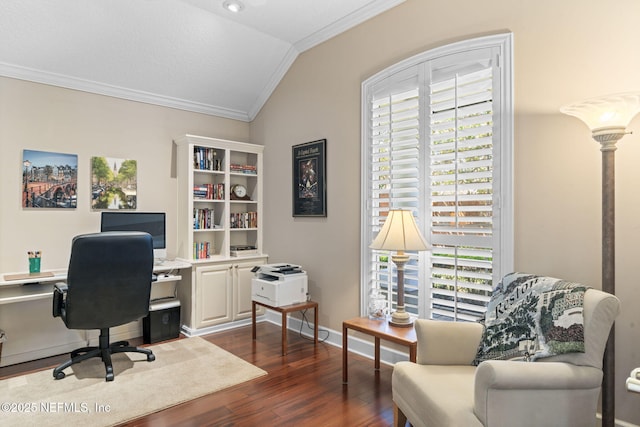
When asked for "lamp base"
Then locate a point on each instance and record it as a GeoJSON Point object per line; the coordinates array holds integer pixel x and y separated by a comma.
{"type": "Point", "coordinates": [401, 318]}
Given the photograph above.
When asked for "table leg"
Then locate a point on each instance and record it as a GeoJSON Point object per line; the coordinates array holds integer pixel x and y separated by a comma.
{"type": "Point", "coordinates": [284, 333]}
{"type": "Point", "coordinates": [253, 319]}
{"type": "Point", "coordinates": [315, 325]}
{"type": "Point", "coordinates": [413, 350]}
{"type": "Point", "coordinates": [344, 354]}
{"type": "Point", "coordinates": [377, 354]}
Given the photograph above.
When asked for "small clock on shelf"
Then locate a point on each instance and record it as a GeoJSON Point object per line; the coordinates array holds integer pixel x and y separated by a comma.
{"type": "Point", "coordinates": [239, 192]}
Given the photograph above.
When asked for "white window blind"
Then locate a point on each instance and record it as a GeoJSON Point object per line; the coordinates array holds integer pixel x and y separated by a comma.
{"type": "Point", "coordinates": [437, 140]}
{"type": "Point", "coordinates": [461, 193]}
{"type": "Point", "coordinates": [395, 166]}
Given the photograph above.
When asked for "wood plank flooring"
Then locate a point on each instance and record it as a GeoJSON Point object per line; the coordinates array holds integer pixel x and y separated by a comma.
{"type": "Point", "coordinates": [303, 388]}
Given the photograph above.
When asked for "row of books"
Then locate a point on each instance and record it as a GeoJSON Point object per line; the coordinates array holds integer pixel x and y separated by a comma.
{"type": "Point", "coordinates": [244, 220]}
{"type": "Point", "coordinates": [208, 191]}
{"type": "Point", "coordinates": [248, 169]}
{"type": "Point", "coordinates": [203, 219]}
{"type": "Point", "coordinates": [205, 158]}
{"type": "Point", "coordinates": [202, 250]}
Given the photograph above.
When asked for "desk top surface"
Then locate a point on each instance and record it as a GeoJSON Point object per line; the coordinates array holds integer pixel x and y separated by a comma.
{"type": "Point", "coordinates": [289, 308]}
{"type": "Point", "coordinates": [61, 275]}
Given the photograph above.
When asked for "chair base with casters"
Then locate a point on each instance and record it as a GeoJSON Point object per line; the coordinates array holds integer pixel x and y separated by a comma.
{"type": "Point", "coordinates": [104, 351]}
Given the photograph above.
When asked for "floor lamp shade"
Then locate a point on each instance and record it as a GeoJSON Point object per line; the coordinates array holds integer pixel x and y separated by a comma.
{"type": "Point", "coordinates": [608, 118]}
{"type": "Point", "coordinates": [612, 111]}
{"type": "Point", "coordinates": [400, 233]}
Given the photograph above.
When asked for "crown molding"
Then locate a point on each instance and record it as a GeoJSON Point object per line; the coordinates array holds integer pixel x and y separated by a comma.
{"type": "Point", "coordinates": [354, 18]}
{"type": "Point", "coordinates": [273, 82]}
{"type": "Point", "coordinates": [68, 82]}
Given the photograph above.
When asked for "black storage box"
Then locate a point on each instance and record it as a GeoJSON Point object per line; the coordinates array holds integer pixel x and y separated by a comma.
{"type": "Point", "coordinates": [162, 322]}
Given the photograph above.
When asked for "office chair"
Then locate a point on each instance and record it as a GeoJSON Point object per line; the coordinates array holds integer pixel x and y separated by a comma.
{"type": "Point", "coordinates": [108, 284]}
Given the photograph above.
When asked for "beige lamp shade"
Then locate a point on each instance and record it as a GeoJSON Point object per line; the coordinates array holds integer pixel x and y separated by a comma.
{"type": "Point", "coordinates": [400, 233]}
{"type": "Point", "coordinates": [611, 111]}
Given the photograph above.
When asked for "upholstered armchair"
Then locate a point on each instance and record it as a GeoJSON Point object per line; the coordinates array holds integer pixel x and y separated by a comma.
{"type": "Point", "coordinates": [445, 389]}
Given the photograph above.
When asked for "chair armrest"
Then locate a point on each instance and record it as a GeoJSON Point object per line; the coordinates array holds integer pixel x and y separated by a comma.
{"type": "Point", "coordinates": [59, 293]}
{"type": "Point", "coordinates": [502, 385]}
{"type": "Point", "coordinates": [447, 343]}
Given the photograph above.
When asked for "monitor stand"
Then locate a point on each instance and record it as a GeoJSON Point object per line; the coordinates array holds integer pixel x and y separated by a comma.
{"type": "Point", "coordinates": [159, 256]}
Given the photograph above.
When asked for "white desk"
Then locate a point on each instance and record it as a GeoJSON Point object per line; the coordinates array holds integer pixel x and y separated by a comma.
{"type": "Point", "coordinates": [33, 333]}
{"type": "Point", "coordinates": [19, 290]}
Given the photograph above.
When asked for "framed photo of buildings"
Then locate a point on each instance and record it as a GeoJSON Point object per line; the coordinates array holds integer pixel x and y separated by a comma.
{"type": "Point", "coordinates": [309, 179]}
{"type": "Point", "coordinates": [49, 180]}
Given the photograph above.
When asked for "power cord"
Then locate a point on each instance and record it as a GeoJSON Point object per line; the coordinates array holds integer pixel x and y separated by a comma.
{"type": "Point", "coordinates": [305, 320]}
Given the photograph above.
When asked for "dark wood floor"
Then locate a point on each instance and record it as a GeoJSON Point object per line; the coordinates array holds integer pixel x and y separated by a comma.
{"type": "Point", "coordinates": [303, 388]}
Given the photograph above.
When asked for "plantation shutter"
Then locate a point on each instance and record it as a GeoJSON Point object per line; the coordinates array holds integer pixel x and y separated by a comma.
{"type": "Point", "coordinates": [461, 187]}
{"type": "Point", "coordinates": [437, 136]}
{"type": "Point", "coordinates": [395, 167]}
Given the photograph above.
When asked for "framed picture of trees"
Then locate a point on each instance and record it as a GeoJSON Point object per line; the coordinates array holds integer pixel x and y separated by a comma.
{"type": "Point", "coordinates": [113, 183]}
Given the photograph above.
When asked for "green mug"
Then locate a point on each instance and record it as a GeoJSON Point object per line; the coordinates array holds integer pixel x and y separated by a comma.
{"type": "Point", "coordinates": [34, 265]}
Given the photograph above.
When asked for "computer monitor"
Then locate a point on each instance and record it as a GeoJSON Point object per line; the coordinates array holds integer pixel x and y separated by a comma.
{"type": "Point", "coordinates": [153, 223]}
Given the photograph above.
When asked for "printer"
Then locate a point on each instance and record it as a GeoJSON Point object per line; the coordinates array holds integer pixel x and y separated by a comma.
{"type": "Point", "coordinates": [278, 285]}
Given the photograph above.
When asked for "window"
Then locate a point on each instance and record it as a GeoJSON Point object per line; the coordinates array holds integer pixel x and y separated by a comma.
{"type": "Point", "coordinates": [437, 139]}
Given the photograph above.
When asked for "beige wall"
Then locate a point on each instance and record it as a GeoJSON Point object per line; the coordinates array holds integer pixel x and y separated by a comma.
{"type": "Point", "coordinates": [564, 51]}
{"type": "Point", "coordinates": [46, 118]}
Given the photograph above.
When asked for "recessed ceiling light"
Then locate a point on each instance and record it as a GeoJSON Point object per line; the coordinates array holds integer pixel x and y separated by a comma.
{"type": "Point", "coordinates": [234, 6]}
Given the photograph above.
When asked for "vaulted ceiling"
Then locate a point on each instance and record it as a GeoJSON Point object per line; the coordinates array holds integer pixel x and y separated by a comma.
{"type": "Point", "coordinates": [188, 54]}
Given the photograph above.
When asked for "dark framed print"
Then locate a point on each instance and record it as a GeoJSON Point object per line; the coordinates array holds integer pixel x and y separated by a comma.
{"type": "Point", "coordinates": [309, 179]}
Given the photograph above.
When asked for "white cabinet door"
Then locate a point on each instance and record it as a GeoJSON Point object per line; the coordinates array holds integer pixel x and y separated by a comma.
{"type": "Point", "coordinates": [213, 295]}
{"type": "Point", "coordinates": [242, 275]}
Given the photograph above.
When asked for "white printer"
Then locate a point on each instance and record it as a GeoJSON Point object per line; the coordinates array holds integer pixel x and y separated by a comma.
{"type": "Point", "coordinates": [278, 285]}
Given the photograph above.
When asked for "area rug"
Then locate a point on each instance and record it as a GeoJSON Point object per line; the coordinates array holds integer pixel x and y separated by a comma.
{"type": "Point", "coordinates": [183, 370]}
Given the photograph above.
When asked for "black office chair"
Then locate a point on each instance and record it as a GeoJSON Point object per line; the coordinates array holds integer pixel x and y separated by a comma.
{"type": "Point", "coordinates": [108, 284]}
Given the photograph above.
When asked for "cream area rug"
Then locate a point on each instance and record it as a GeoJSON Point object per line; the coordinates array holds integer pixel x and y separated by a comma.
{"type": "Point", "coordinates": [183, 370]}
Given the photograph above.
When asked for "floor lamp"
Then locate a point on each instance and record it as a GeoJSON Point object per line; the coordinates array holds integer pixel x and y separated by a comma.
{"type": "Point", "coordinates": [400, 233]}
{"type": "Point", "coordinates": [608, 118]}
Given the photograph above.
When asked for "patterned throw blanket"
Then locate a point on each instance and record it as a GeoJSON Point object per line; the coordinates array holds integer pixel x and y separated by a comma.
{"type": "Point", "coordinates": [530, 317]}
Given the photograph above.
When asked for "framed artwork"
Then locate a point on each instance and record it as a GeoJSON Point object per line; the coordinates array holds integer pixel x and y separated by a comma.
{"type": "Point", "coordinates": [114, 183]}
{"type": "Point", "coordinates": [309, 179]}
{"type": "Point", "coordinates": [49, 180]}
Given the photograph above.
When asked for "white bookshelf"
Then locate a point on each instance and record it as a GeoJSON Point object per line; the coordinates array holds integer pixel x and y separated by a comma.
{"type": "Point", "coordinates": [220, 288]}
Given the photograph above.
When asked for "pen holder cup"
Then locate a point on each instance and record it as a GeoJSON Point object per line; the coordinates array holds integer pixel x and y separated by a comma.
{"type": "Point", "coordinates": [34, 265]}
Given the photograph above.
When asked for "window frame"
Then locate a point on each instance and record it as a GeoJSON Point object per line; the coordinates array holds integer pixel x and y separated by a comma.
{"type": "Point", "coordinates": [503, 222]}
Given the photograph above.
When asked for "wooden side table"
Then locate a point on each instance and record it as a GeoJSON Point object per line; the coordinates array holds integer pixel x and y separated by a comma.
{"type": "Point", "coordinates": [286, 310]}
{"type": "Point", "coordinates": [379, 329]}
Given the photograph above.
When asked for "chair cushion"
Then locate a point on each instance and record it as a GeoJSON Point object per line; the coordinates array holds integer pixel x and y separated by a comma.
{"type": "Point", "coordinates": [433, 395]}
{"type": "Point", "coordinates": [532, 317]}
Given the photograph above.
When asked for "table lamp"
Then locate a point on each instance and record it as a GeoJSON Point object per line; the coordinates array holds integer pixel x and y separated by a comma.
{"type": "Point", "coordinates": [400, 233]}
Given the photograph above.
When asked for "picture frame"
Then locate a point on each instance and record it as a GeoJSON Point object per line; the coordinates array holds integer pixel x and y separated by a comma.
{"type": "Point", "coordinates": [310, 179]}
{"type": "Point", "coordinates": [49, 180]}
{"type": "Point", "coordinates": [114, 183]}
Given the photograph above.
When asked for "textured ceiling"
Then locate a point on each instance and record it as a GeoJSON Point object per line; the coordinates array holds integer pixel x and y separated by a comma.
{"type": "Point", "coordinates": [187, 54]}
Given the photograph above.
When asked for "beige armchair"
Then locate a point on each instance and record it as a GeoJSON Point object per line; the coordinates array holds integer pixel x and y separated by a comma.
{"type": "Point", "coordinates": [443, 389]}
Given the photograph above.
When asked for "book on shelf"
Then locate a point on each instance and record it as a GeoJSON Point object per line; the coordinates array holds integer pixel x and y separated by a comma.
{"type": "Point", "coordinates": [205, 158]}
{"type": "Point", "coordinates": [246, 169]}
{"type": "Point", "coordinates": [202, 250]}
{"type": "Point", "coordinates": [208, 191]}
{"type": "Point", "coordinates": [203, 219]}
{"type": "Point", "coordinates": [244, 220]}
{"type": "Point", "coordinates": [239, 250]}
